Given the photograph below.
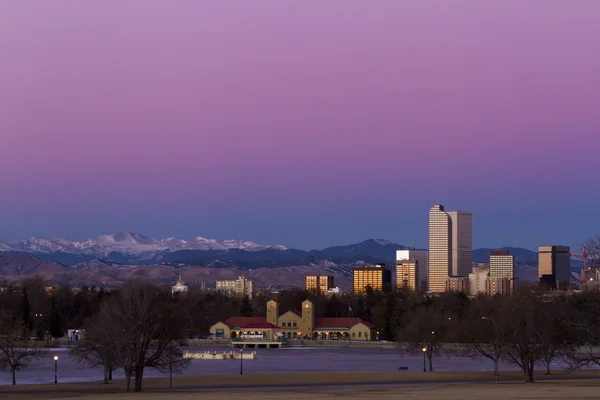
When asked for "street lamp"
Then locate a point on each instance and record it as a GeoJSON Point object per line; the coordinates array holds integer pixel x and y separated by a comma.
{"type": "Point", "coordinates": [55, 369]}
{"type": "Point", "coordinates": [242, 361]}
{"type": "Point", "coordinates": [497, 343]}
{"type": "Point", "coordinates": [424, 352]}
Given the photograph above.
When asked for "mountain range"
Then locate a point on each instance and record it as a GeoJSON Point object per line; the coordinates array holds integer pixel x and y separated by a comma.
{"type": "Point", "coordinates": [121, 256]}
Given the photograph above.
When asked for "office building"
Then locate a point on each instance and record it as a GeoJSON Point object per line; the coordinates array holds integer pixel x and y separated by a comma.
{"type": "Point", "coordinates": [554, 266]}
{"type": "Point", "coordinates": [241, 287]}
{"type": "Point", "coordinates": [478, 280]}
{"type": "Point", "coordinates": [422, 259]}
{"type": "Point", "coordinates": [499, 286]}
{"type": "Point", "coordinates": [440, 248]}
{"type": "Point", "coordinates": [502, 264]}
{"type": "Point", "coordinates": [462, 242]}
{"type": "Point", "coordinates": [407, 275]}
{"type": "Point", "coordinates": [318, 284]}
{"type": "Point", "coordinates": [374, 277]}
{"type": "Point", "coordinates": [457, 284]}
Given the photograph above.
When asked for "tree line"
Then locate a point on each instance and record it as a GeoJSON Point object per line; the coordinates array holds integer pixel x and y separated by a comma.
{"type": "Point", "coordinates": [140, 326]}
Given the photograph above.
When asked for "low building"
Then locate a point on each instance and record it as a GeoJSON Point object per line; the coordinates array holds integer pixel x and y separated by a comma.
{"type": "Point", "coordinates": [457, 284]}
{"type": "Point", "coordinates": [241, 287]}
{"type": "Point", "coordinates": [334, 291]}
{"type": "Point", "coordinates": [478, 280]}
{"type": "Point", "coordinates": [294, 324]}
{"type": "Point", "coordinates": [179, 287]}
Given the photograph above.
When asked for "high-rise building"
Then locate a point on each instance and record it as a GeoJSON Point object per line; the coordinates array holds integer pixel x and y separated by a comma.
{"type": "Point", "coordinates": [457, 284]}
{"type": "Point", "coordinates": [554, 266]}
{"type": "Point", "coordinates": [440, 248]}
{"type": "Point", "coordinates": [462, 242]}
{"type": "Point", "coordinates": [502, 264]}
{"type": "Point", "coordinates": [241, 287]}
{"type": "Point", "coordinates": [318, 284]}
{"type": "Point", "coordinates": [422, 259]}
{"type": "Point", "coordinates": [478, 280]}
{"type": "Point", "coordinates": [499, 286]}
{"type": "Point", "coordinates": [374, 277]}
{"type": "Point", "coordinates": [407, 272]}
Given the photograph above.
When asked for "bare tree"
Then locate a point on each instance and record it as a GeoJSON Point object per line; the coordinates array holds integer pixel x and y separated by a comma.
{"type": "Point", "coordinates": [145, 323]}
{"type": "Point", "coordinates": [593, 249]}
{"type": "Point", "coordinates": [523, 347]}
{"type": "Point", "coordinates": [487, 329]}
{"type": "Point", "coordinates": [16, 350]}
{"type": "Point", "coordinates": [98, 347]}
{"type": "Point", "coordinates": [424, 329]}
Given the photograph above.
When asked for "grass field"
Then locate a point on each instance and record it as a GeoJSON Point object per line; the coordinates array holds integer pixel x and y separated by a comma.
{"type": "Point", "coordinates": [582, 385]}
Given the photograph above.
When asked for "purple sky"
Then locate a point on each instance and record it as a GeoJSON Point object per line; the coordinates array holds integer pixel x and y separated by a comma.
{"type": "Point", "coordinates": [306, 123]}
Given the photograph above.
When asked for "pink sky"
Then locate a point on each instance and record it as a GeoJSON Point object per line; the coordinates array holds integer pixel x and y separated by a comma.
{"type": "Point", "coordinates": [303, 122]}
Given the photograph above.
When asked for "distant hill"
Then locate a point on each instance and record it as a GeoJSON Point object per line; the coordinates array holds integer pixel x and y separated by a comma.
{"type": "Point", "coordinates": [116, 258]}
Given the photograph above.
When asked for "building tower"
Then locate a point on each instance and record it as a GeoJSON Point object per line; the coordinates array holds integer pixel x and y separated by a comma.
{"type": "Point", "coordinates": [462, 242]}
{"type": "Point", "coordinates": [440, 248]}
{"type": "Point", "coordinates": [554, 266]}
{"type": "Point", "coordinates": [308, 319]}
{"type": "Point", "coordinates": [272, 312]}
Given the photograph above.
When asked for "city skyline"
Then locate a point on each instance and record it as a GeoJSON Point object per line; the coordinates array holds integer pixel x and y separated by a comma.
{"type": "Point", "coordinates": [236, 121]}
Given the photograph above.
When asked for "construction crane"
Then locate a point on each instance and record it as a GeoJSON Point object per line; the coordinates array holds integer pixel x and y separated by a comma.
{"type": "Point", "coordinates": [585, 269]}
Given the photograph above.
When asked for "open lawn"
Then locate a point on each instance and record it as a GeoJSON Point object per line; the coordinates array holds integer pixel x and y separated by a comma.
{"type": "Point", "coordinates": [291, 386]}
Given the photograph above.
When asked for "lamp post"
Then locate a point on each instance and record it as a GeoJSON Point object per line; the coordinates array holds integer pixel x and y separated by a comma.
{"type": "Point", "coordinates": [424, 364]}
{"type": "Point", "coordinates": [497, 343]}
{"type": "Point", "coordinates": [241, 361]}
{"type": "Point", "coordinates": [55, 369]}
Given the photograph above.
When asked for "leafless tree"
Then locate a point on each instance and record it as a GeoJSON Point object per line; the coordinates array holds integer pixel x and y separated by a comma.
{"type": "Point", "coordinates": [16, 350]}
{"type": "Point", "coordinates": [145, 324]}
{"type": "Point", "coordinates": [487, 329]}
{"type": "Point", "coordinates": [523, 347]}
{"type": "Point", "coordinates": [98, 347]}
{"type": "Point", "coordinates": [424, 328]}
{"type": "Point", "coordinates": [593, 249]}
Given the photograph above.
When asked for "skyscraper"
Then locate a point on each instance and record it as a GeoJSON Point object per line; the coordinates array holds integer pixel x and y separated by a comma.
{"type": "Point", "coordinates": [502, 264]}
{"type": "Point", "coordinates": [422, 259]}
{"type": "Point", "coordinates": [440, 248]}
{"type": "Point", "coordinates": [462, 242]}
{"type": "Point", "coordinates": [554, 266]}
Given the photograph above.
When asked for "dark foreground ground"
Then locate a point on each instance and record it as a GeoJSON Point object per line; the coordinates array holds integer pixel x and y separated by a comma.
{"type": "Point", "coordinates": [313, 385]}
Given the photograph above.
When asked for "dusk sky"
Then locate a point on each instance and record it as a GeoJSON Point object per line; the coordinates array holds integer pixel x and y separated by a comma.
{"type": "Point", "coordinates": [304, 123]}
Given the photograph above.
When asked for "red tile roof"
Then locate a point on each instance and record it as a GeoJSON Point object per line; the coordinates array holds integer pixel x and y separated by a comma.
{"type": "Point", "coordinates": [347, 323]}
{"type": "Point", "coordinates": [242, 322]}
{"type": "Point", "coordinates": [260, 325]}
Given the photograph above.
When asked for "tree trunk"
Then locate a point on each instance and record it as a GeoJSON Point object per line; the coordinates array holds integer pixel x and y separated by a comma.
{"type": "Point", "coordinates": [548, 366]}
{"type": "Point", "coordinates": [105, 375]}
{"type": "Point", "coordinates": [530, 368]}
{"type": "Point", "coordinates": [128, 381]}
{"type": "Point", "coordinates": [139, 372]}
{"type": "Point", "coordinates": [14, 375]}
{"type": "Point", "coordinates": [110, 371]}
{"type": "Point", "coordinates": [496, 362]}
{"type": "Point", "coordinates": [430, 358]}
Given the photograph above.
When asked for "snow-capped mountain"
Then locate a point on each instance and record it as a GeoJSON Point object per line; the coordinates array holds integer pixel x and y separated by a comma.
{"type": "Point", "coordinates": [129, 243]}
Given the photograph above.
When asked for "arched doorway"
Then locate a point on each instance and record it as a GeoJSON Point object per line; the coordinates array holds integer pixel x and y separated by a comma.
{"type": "Point", "coordinates": [233, 335]}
